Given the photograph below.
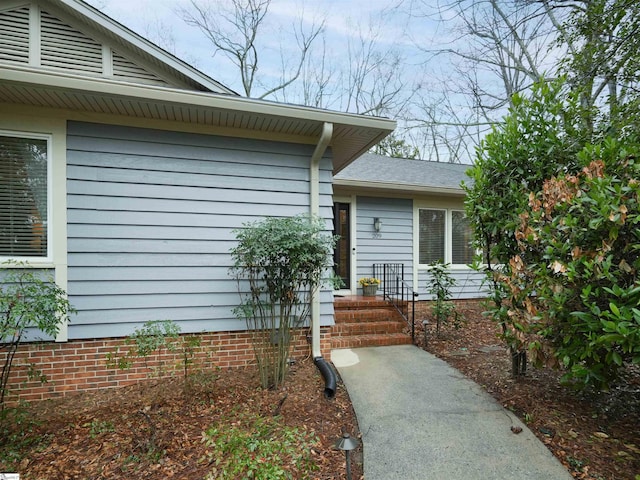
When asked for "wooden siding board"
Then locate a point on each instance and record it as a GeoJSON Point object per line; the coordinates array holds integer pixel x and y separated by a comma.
{"type": "Point", "coordinates": [108, 330]}
{"type": "Point", "coordinates": [150, 220]}
{"type": "Point", "coordinates": [83, 275]}
{"type": "Point", "coordinates": [151, 260]}
{"type": "Point", "coordinates": [260, 166]}
{"type": "Point", "coordinates": [145, 286]}
{"type": "Point", "coordinates": [163, 247]}
{"type": "Point", "coordinates": [247, 210]}
{"type": "Point", "coordinates": [153, 219]}
{"type": "Point", "coordinates": [125, 140]}
{"type": "Point", "coordinates": [122, 178]}
{"type": "Point", "coordinates": [158, 299]}
{"type": "Point", "coordinates": [141, 315]}
{"type": "Point", "coordinates": [169, 192]}
{"type": "Point", "coordinates": [150, 232]}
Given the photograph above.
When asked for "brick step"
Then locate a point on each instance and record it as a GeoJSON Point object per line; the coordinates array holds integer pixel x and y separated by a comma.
{"type": "Point", "coordinates": [369, 328]}
{"type": "Point", "coordinates": [366, 322]}
{"type": "Point", "coordinates": [356, 341]}
{"type": "Point", "coordinates": [357, 302]}
{"type": "Point", "coordinates": [367, 315]}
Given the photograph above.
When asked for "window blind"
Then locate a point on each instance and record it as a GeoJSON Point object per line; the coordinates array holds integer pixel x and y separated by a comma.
{"type": "Point", "coordinates": [461, 247]}
{"type": "Point", "coordinates": [432, 235]}
{"type": "Point", "coordinates": [23, 197]}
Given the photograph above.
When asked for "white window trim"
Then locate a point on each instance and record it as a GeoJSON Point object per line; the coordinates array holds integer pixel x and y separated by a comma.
{"type": "Point", "coordinates": [48, 259]}
{"type": "Point", "coordinates": [36, 121]}
{"type": "Point", "coordinates": [448, 236]}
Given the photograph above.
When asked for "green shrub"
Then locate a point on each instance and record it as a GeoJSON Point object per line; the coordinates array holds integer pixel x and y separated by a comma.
{"type": "Point", "coordinates": [155, 336]}
{"type": "Point", "coordinates": [439, 284]}
{"type": "Point", "coordinates": [159, 337]}
{"type": "Point", "coordinates": [278, 263]}
{"type": "Point", "coordinates": [555, 210]}
{"type": "Point", "coordinates": [17, 434]}
{"type": "Point", "coordinates": [27, 302]}
{"type": "Point", "coordinates": [251, 446]}
{"type": "Point", "coordinates": [538, 139]}
{"type": "Point", "coordinates": [585, 229]}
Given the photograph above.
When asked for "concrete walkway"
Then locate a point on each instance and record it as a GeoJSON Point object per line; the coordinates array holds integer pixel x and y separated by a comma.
{"type": "Point", "coordinates": [422, 419]}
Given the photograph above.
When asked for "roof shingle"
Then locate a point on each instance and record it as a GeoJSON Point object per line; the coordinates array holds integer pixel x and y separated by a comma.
{"type": "Point", "coordinates": [403, 172]}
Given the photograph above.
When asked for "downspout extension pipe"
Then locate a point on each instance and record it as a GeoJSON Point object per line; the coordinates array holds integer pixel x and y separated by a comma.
{"type": "Point", "coordinates": [314, 209]}
{"type": "Point", "coordinates": [330, 383]}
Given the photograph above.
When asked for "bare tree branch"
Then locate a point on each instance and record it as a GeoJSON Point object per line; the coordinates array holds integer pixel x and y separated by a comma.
{"type": "Point", "coordinates": [233, 29]}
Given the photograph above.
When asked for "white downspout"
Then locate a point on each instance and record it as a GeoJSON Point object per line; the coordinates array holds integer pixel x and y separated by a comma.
{"type": "Point", "coordinates": [314, 210]}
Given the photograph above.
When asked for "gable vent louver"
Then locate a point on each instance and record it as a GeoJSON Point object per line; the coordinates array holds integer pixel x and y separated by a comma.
{"type": "Point", "coordinates": [65, 47]}
{"type": "Point", "coordinates": [124, 68]}
{"type": "Point", "coordinates": [14, 35]}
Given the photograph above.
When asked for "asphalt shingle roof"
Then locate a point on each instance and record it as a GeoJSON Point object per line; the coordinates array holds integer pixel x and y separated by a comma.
{"type": "Point", "coordinates": [399, 172]}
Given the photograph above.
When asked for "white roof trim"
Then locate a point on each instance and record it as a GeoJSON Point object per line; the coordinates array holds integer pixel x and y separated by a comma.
{"type": "Point", "coordinates": [69, 81]}
{"type": "Point", "coordinates": [406, 187]}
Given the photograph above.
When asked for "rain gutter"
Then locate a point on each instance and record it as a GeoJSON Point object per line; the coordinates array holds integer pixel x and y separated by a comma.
{"type": "Point", "coordinates": [314, 209]}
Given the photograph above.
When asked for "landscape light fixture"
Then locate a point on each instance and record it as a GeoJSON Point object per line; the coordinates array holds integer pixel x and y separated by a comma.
{"type": "Point", "coordinates": [377, 224]}
{"type": "Point", "coordinates": [347, 443]}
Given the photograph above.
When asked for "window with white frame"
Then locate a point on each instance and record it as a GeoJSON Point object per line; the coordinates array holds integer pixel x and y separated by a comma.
{"type": "Point", "coordinates": [24, 195]}
{"type": "Point", "coordinates": [444, 235]}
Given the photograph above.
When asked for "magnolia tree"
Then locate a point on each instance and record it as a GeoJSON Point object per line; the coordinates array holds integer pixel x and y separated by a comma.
{"type": "Point", "coordinates": [555, 209]}
{"type": "Point", "coordinates": [534, 143]}
{"type": "Point", "coordinates": [581, 296]}
{"type": "Point", "coordinates": [279, 263]}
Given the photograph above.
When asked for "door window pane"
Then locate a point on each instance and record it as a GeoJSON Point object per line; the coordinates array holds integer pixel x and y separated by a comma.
{"type": "Point", "coordinates": [23, 196]}
{"type": "Point", "coordinates": [341, 254]}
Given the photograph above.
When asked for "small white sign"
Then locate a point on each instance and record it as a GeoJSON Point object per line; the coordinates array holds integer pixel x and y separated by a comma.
{"type": "Point", "coordinates": [9, 476]}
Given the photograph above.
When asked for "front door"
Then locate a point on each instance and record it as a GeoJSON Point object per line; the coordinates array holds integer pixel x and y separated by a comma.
{"type": "Point", "coordinates": [342, 252]}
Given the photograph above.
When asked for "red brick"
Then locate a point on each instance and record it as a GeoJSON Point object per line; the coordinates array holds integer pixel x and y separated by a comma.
{"type": "Point", "coordinates": [81, 365]}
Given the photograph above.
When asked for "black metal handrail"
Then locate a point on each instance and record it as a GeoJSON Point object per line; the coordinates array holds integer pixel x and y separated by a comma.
{"type": "Point", "coordinates": [397, 291]}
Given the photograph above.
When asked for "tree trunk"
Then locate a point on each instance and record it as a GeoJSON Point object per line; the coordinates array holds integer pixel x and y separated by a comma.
{"type": "Point", "coordinates": [518, 363]}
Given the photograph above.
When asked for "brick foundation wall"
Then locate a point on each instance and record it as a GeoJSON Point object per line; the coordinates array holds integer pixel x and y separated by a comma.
{"type": "Point", "coordinates": [84, 365]}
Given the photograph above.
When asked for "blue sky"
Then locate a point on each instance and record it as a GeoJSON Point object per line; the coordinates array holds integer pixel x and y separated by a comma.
{"type": "Point", "coordinates": [409, 31]}
{"type": "Point", "coordinates": [345, 21]}
{"type": "Point", "coordinates": [342, 18]}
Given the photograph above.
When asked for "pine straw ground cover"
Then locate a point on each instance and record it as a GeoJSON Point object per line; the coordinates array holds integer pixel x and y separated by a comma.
{"type": "Point", "coordinates": [154, 430]}
{"type": "Point", "coordinates": [596, 436]}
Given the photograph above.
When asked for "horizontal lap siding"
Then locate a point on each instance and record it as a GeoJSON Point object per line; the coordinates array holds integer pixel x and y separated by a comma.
{"type": "Point", "coordinates": [150, 221]}
{"type": "Point", "coordinates": [468, 284]}
{"type": "Point", "coordinates": [394, 243]}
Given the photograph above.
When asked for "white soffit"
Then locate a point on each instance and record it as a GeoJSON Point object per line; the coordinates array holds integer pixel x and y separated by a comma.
{"type": "Point", "coordinates": [353, 134]}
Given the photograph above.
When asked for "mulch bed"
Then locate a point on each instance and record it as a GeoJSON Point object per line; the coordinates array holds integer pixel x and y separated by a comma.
{"type": "Point", "coordinates": [154, 430]}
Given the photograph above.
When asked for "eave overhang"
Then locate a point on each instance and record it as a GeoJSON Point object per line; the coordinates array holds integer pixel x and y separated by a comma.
{"type": "Point", "coordinates": [397, 188]}
{"type": "Point", "coordinates": [353, 134]}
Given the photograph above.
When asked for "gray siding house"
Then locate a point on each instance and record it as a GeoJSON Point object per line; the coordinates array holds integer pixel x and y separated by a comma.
{"type": "Point", "coordinates": [128, 170]}
{"type": "Point", "coordinates": [407, 212]}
